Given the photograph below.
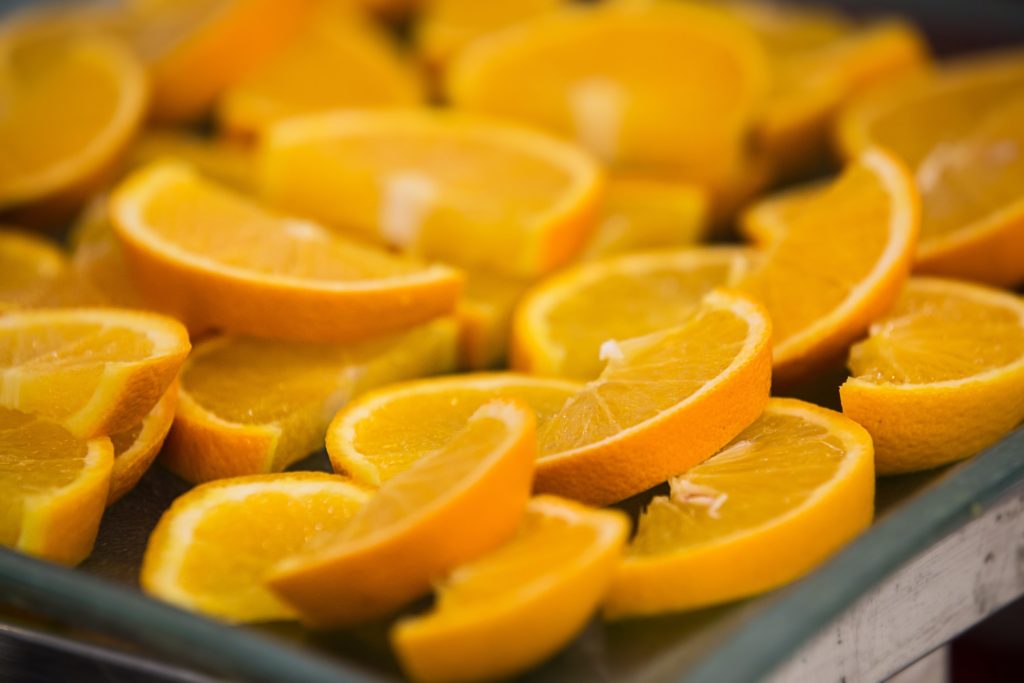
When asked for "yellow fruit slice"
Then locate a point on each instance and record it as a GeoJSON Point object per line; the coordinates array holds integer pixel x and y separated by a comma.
{"type": "Point", "coordinates": [644, 106]}
{"type": "Point", "coordinates": [561, 323]}
{"type": "Point", "coordinates": [837, 264]}
{"type": "Point", "coordinates": [226, 162]}
{"type": "Point", "coordinates": [515, 607]}
{"type": "Point", "coordinates": [135, 449]}
{"type": "Point", "coordinates": [448, 509]}
{"type": "Point", "coordinates": [663, 404]}
{"type": "Point", "coordinates": [645, 213]}
{"type": "Point", "coordinates": [792, 489]}
{"type": "Point", "coordinates": [94, 371]}
{"type": "Point", "coordinates": [340, 61]}
{"type": "Point", "coordinates": [45, 154]}
{"type": "Point", "coordinates": [30, 269]}
{"type": "Point", "coordinates": [485, 318]}
{"type": "Point", "coordinates": [466, 190]}
{"type": "Point", "coordinates": [53, 486]}
{"type": "Point", "coordinates": [941, 377]}
{"type": "Point", "coordinates": [215, 545]}
{"type": "Point", "coordinates": [262, 273]}
{"type": "Point", "coordinates": [98, 263]}
{"type": "Point", "coordinates": [961, 133]}
{"type": "Point", "coordinates": [381, 434]}
{"type": "Point", "coordinates": [251, 406]}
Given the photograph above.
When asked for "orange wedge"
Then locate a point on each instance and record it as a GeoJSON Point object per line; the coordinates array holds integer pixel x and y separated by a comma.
{"type": "Point", "coordinates": [561, 323]}
{"type": "Point", "coordinates": [226, 162]}
{"type": "Point", "coordinates": [941, 377]}
{"type": "Point", "coordinates": [46, 156]}
{"type": "Point", "coordinates": [31, 268]}
{"type": "Point", "coordinates": [252, 406]}
{"type": "Point", "coordinates": [381, 434]}
{"type": "Point", "coordinates": [961, 133]}
{"type": "Point", "coordinates": [466, 190]}
{"type": "Point", "coordinates": [97, 261]}
{"type": "Point", "coordinates": [663, 404]}
{"type": "Point", "coordinates": [215, 545]}
{"type": "Point", "coordinates": [340, 61]}
{"type": "Point", "coordinates": [645, 106]}
{"type": "Point", "coordinates": [448, 509]}
{"type": "Point", "coordinates": [94, 371]}
{"type": "Point", "coordinates": [837, 263]}
{"type": "Point", "coordinates": [789, 491]}
{"type": "Point", "coordinates": [485, 319]}
{"type": "Point", "coordinates": [53, 486]}
{"type": "Point", "coordinates": [214, 258]}
{"type": "Point", "coordinates": [515, 607]}
{"type": "Point", "coordinates": [135, 449]}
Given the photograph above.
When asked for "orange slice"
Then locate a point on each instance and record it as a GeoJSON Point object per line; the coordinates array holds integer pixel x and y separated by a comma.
{"type": "Point", "coordinates": [663, 404]}
{"type": "Point", "coordinates": [252, 406]}
{"type": "Point", "coordinates": [262, 273]}
{"type": "Point", "coordinates": [216, 544]}
{"type": "Point", "coordinates": [53, 486]}
{"type": "Point", "coordinates": [824, 285]}
{"type": "Point", "coordinates": [98, 263]}
{"type": "Point", "coordinates": [961, 134]}
{"type": "Point", "coordinates": [448, 509]}
{"type": "Point", "coordinates": [485, 319]}
{"type": "Point", "coordinates": [645, 106]}
{"type": "Point", "coordinates": [94, 371]}
{"type": "Point", "coordinates": [789, 491]}
{"type": "Point", "coordinates": [135, 449]}
{"type": "Point", "coordinates": [47, 156]}
{"type": "Point", "coordinates": [561, 323]}
{"type": "Point", "coordinates": [225, 162]}
{"type": "Point", "coordinates": [31, 268]}
{"type": "Point", "coordinates": [469, 191]}
{"type": "Point", "coordinates": [340, 61]}
{"type": "Point", "coordinates": [515, 607]}
{"type": "Point", "coordinates": [382, 433]}
{"type": "Point", "coordinates": [941, 377]}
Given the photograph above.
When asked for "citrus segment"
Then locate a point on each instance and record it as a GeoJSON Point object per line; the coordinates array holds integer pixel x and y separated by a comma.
{"type": "Point", "coordinates": [381, 434]}
{"type": "Point", "coordinates": [664, 403]}
{"type": "Point", "coordinates": [789, 491]}
{"type": "Point", "coordinates": [469, 191]}
{"type": "Point", "coordinates": [135, 449]}
{"type": "Point", "coordinates": [941, 377]}
{"type": "Point", "coordinates": [446, 510]}
{"type": "Point", "coordinates": [214, 258]}
{"type": "Point", "coordinates": [98, 263]}
{"type": "Point", "coordinates": [518, 605]}
{"type": "Point", "coordinates": [214, 546]}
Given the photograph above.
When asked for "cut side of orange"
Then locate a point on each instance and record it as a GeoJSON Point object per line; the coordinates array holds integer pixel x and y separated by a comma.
{"type": "Point", "coordinates": [252, 406]}
{"type": "Point", "coordinates": [562, 322]}
{"type": "Point", "coordinates": [53, 486]}
{"type": "Point", "coordinates": [135, 449]}
{"type": "Point", "coordinates": [663, 404]}
{"type": "Point", "coordinates": [95, 371]}
{"type": "Point", "coordinates": [213, 548]}
{"type": "Point", "coordinates": [31, 268]}
{"type": "Point", "coordinates": [97, 261]}
{"type": "Point", "coordinates": [837, 263]}
{"type": "Point", "coordinates": [941, 377]}
{"type": "Point", "coordinates": [446, 510]}
{"type": "Point", "coordinates": [518, 605]}
{"type": "Point", "coordinates": [214, 258]}
{"type": "Point", "coordinates": [470, 191]}
{"type": "Point", "coordinates": [789, 491]}
{"type": "Point", "coordinates": [380, 435]}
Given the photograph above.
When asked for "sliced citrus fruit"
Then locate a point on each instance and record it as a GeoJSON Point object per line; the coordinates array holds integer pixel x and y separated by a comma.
{"type": "Point", "coordinates": [644, 213]}
{"type": "Point", "coordinates": [252, 406]}
{"type": "Point", "coordinates": [98, 263]}
{"type": "Point", "coordinates": [561, 323]}
{"type": "Point", "coordinates": [961, 133]}
{"type": "Point", "coordinates": [485, 318]}
{"type": "Point", "coordinates": [518, 605]}
{"type": "Point", "coordinates": [31, 268]}
{"type": "Point", "coordinates": [94, 371]}
{"type": "Point", "coordinates": [664, 403]}
{"type": "Point", "coordinates": [446, 510]}
{"type": "Point", "coordinates": [262, 273]}
{"type": "Point", "coordinates": [340, 61]}
{"type": "Point", "coordinates": [824, 286]}
{"type": "Point", "coordinates": [382, 433]}
{"type": "Point", "coordinates": [135, 449]}
{"type": "Point", "coordinates": [789, 491]}
{"type": "Point", "coordinates": [644, 106]}
{"type": "Point", "coordinates": [53, 486]}
{"type": "Point", "coordinates": [215, 545]}
{"type": "Point", "coordinates": [226, 162]}
{"type": "Point", "coordinates": [941, 377]}
{"type": "Point", "coordinates": [470, 191]}
{"type": "Point", "coordinates": [46, 155]}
